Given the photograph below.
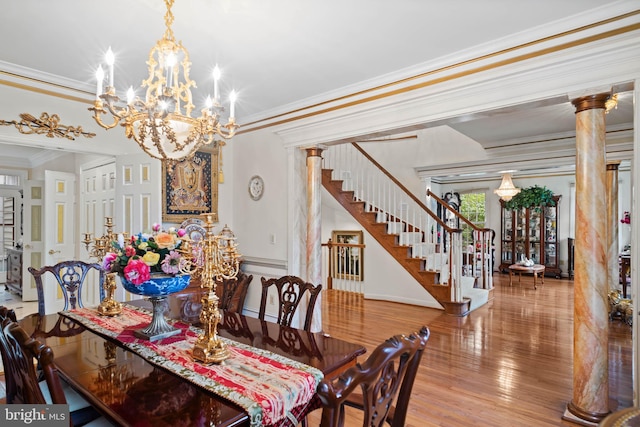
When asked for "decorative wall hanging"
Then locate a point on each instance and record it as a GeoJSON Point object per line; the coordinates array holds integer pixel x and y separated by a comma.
{"type": "Point", "coordinates": [190, 186]}
{"type": "Point", "coordinates": [48, 125]}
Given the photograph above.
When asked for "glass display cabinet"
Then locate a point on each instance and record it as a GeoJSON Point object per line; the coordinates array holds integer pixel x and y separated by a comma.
{"type": "Point", "coordinates": [530, 233]}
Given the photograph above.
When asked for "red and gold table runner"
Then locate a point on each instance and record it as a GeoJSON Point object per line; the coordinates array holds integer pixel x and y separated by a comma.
{"type": "Point", "coordinates": [271, 388]}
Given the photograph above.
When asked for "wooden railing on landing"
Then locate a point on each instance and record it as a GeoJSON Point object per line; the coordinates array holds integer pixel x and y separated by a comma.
{"type": "Point", "coordinates": [480, 251]}
{"type": "Point", "coordinates": [398, 220]}
{"type": "Point", "coordinates": [344, 265]}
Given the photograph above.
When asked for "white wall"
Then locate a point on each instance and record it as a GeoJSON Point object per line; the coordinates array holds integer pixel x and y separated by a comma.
{"type": "Point", "coordinates": [384, 277]}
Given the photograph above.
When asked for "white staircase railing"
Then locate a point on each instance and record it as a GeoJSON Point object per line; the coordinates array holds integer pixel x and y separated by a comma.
{"type": "Point", "coordinates": [439, 245]}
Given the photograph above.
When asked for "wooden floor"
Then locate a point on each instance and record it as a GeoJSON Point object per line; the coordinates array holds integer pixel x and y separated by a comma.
{"type": "Point", "coordinates": [508, 363]}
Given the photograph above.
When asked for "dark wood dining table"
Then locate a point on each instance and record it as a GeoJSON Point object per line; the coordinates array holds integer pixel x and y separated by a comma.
{"type": "Point", "coordinates": [132, 391]}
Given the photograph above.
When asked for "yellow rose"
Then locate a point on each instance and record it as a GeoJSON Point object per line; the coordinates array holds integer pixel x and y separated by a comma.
{"type": "Point", "coordinates": [165, 240]}
{"type": "Point", "coordinates": [151, 258]}
{"type": "Point", "coordinates": [143, 246]}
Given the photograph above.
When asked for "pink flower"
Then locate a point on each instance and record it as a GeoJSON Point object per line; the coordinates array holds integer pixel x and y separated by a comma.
{"type": "Point", "coordinates": [171, 263]}
{"type": "Point", "coordinates": [181, 232]}
{"type": "Point", "coordinates": [108, 259]}
{"type": "Point", "coordinates": [155, 227]}
{"type": "Point", "coordinates": [137, 271]}
{"type": "Point", "coordinates": [129, 251]}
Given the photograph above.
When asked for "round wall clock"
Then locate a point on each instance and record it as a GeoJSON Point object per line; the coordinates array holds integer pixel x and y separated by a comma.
{"type": "Point", "coordinates": [256, 187]}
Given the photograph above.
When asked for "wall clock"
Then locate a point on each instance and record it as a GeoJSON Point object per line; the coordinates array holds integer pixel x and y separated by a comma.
{"type": "Point", "coordinates": [256, 187]}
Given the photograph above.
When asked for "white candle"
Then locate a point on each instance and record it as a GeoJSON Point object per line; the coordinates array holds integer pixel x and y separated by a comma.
{"type": "Point", "coordinates": [99, 80]}
{"type": "Point", "coordinates": [209, 103]}
{"type": "Point", "coordinates": [216, 78]}
{"type": "Point", "coordinates": [170, 62]}
{"type": "Point", "coordinates": [130, 95]}
{"type": "Point", "coordinates": [110, 61]}
{"type": "Point", "coordinates": [232, 110]}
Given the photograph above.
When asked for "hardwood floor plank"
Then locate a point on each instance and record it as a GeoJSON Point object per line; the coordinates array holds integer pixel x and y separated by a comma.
{"type": "Point", "coordinates": [508, 363]}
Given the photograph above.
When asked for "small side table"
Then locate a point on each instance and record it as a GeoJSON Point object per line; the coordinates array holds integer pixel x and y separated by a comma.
{"type": "Point", "coordinates": [535, 269]}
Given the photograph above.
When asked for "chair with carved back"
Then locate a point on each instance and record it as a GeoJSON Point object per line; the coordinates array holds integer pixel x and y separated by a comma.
{"type": "Point", "coordinates": [380, 387]}
{"type": "Point", "coordinates": [233, 292]}
{"type": "Point", "coordinates": [291, 291]}
{"type": "Point", "coordinates": [70, 276]}
{"type": "Point", "coordinates": [19, 354]}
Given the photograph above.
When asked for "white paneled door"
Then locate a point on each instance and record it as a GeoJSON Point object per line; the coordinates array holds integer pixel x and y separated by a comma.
{"type": "Point", "coordinates": [97, 201]}
{"type": "Point", "coordinates": [59, 236]}
{"type": "Point", "coordinates": [32, 236]}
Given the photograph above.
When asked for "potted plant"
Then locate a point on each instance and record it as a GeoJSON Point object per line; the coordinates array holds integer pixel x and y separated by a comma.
{"type": "Point", "coordinates": [534, 197]}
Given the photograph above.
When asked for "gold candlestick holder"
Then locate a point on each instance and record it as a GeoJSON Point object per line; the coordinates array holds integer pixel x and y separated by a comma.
{"type": "Point", "coordinates": [99, 248]}
{"type": "Point", "coordinates": [216, 258]}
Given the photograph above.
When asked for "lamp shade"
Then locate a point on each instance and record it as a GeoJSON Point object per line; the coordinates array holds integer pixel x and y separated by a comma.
{"type": "Point", "coordinates": [506, 190]}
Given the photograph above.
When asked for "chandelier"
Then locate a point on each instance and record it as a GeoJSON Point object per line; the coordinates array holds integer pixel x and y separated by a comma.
{"type": "Point", "coordinates": [157, 122]}
{"type": "Point", "coordinates": [506, 190]}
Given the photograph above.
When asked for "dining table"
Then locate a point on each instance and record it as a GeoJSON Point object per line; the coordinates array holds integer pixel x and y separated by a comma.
{"type": "Point", "coordinates": [132, 390]}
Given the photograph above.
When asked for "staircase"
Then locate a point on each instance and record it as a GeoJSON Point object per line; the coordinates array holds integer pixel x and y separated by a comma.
{"type": "Point", "coordinates": [427, 247]}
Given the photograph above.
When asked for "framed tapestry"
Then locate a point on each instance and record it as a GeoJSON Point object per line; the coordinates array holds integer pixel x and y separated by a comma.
{"type": "Point", "coordinates": [190, 186]}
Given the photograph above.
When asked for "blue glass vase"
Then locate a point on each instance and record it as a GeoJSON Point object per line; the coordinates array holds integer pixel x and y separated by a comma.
{"type": "Point", "coordinates": [157, 288]}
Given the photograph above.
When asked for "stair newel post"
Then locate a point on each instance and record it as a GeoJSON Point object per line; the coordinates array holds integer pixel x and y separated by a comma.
{"type": "Point", "coordinates": [331, 265]}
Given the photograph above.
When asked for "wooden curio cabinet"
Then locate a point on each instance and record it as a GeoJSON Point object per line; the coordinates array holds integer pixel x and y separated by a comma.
{"type": "Point", "coordinates": [532, 233]}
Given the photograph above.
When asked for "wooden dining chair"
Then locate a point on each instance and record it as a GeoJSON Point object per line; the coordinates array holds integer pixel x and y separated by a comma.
{"type": "Point", "coordinates": [19, 354]}
{"type": "Point", "coordinates": [291, 290]}
{"type": "Point", "coordinates": [70, 276]}
{"type": "Point", "coordinates": [233, 292]}
{"type": "Point", "coordinates": [380, 387]}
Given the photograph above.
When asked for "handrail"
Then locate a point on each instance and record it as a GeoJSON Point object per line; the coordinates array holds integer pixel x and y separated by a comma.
{"type": "Point", "coordinates": [456, 213]}
{"type": "Point", "coordinates": [405, 190]}
{"type": "Point", "coordinates": [335, 261]}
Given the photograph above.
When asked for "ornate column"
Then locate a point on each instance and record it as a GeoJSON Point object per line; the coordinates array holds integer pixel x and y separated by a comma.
{"type": "Point", "coordinates": [590, 400]}
{"type": "Point", "coordinates": [612, 224]}
{"type": "Point", "coordinates": [314, 228]}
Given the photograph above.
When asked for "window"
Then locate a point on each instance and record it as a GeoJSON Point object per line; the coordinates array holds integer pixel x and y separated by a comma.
{"type": "Point", "coordinates": [7, 228]}
{"type": "Point", "coordinates": [10, 180]}
{"type": "Point", "coordinates": [472, 207]}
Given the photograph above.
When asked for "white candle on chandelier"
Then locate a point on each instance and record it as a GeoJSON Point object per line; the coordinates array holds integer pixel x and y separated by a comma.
{"type": "Point", "coordinates": [170, 62]}
{"type": "Point", "coordinates": [216, 78]}
{"type": "Point", "coordinates": [232, 98]}
{"type": "Point", "coordinates": [111, 59]}
{"type": "Point", "coordinates": [208, 103]}
{"type": "Point", "coordinates": [99, 80]}
{"type": "Point", "coordinates": [130, 95]}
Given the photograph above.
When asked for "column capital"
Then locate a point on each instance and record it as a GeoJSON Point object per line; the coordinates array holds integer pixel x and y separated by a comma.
{"type": "Point", "coordinates": [590, 102]}
{"type": "Point", "coordinates": [314, 152]}
{"type": "Point", "coordinates": [613, 165]}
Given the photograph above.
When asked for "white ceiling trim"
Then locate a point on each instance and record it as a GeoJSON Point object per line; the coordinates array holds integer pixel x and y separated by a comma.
{"type": "Point", "coordinates": [546, 77]}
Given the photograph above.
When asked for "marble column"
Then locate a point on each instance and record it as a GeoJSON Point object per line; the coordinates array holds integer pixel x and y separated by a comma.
{"type": "Point", "coordinates": [590, 401]}
{"type": "Point", "coordinates": [314, 228]}
{"type": "Point", "coordinates": [613, 249]}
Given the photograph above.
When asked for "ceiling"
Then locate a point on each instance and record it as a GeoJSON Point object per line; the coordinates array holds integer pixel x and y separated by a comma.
{"type": "Point", "coordinates": [287, 54]}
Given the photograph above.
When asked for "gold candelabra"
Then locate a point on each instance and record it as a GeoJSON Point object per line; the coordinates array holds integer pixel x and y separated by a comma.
{"type": "Point", "coordinates": [99, 248]}
{"type": "Point", "coordinates": [216, 258]}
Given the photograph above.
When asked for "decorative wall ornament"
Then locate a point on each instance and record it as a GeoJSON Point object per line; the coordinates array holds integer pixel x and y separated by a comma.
{"type": "Point", "coordinates": [48, 125]}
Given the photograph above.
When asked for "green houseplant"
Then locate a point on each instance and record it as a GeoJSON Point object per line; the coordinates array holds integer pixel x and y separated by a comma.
{"type": "Point", "coordinates": [532, 197]}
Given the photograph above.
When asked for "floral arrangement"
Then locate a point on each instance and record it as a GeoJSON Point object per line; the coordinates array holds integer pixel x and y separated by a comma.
{"type": "Point", "coordinates": [626, 218]}
{"type": "Point", "coordinates": [143, 254]}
